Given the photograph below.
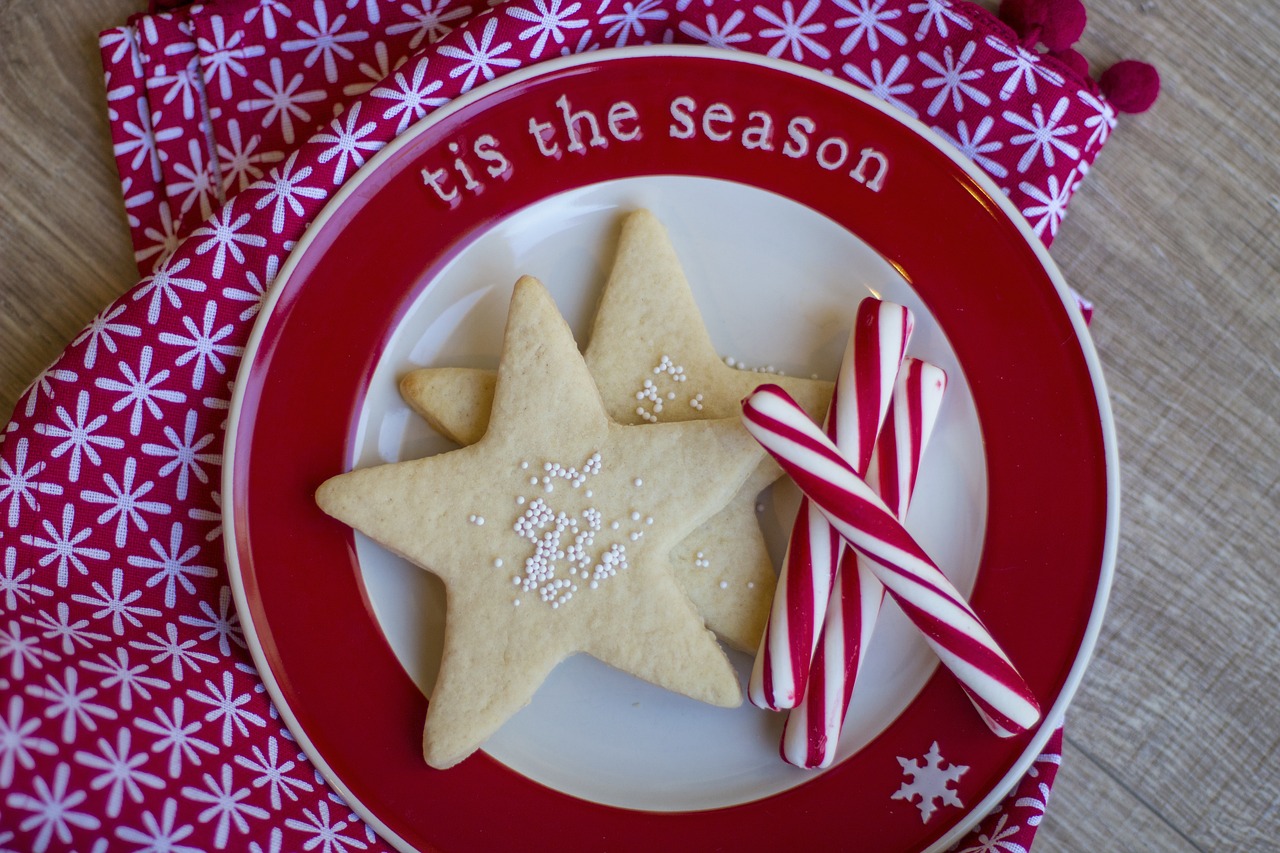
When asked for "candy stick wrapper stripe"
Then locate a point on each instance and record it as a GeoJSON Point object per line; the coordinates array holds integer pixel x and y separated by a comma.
{"type": "Point", "coordinates": [928, 599]}
{"type": "Point", "coordinates": [859, 403]}
{"type": "Point", "coordinates": [812, 731]}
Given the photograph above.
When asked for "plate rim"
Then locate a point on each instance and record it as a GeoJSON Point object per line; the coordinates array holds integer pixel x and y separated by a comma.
{"type": "Point", "coordinates": [1052, 717]}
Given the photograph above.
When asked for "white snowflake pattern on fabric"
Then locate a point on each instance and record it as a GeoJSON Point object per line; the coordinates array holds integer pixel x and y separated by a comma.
{"type": "Point", "coordinates": [65, 546]}
{"type": "Point", "coordinates": [227, 706]}
{"type": "Point", "coordinates": [1051, 204]}
{"type": "Point", "coordinates": [272, 772]}
{"type": "Point", "coordinates": [66, 699]}
{"type": "Point", "coordinates": [282, 101]}
{"type": "Point", "coordinates": [240, 160]}
{"type": "Point", "coordinates": [133, 200]}
{"type": "Point", "coordinates": [716, 34]}
{"type": "Point", "coordinates": [160, 832]}
{"type": "Point", "coordinates": [325, 41]}
{"type": "Point", "coordinates": [286, 192]}
{"type": "Point", "coordinates": [885, 85]}
{"type": "Point", "coordinates": [21, 485]}
{"type": "Point", "coordinates": [372, 73]}
{"type": "Point", "coordinates": [1038, 804]}
{"type": "Point", "coordinates": [162, 286]}
{"type": "Point", "coordinates": [931, 781]}
{"type": "Point", "coordinates": [1043, 135]}
{"type": "Point", "coordinates": [42, 385]}
{"type": "Point", "coordinates": [160, 239]}
{"type": "Point", "coordinates": [23, 651]}
{"type": "Point", "coordinates": [197, 185]}
{"type": "Point", "coordinates": [432, 21]}
{"type": "Point", "coordinates": [224, 805]}
{"type": "Point", "coordinates": [222, 56]}
{"type": "Point", "coordinates": [73, 634]}
{"type": "Point", "coordinates": [144, 139]}
{"type": "Point", "coordinates": [479, 58]}
{"type": "Point", "coordinates": [794, 33]}
{"type": "Point", "coordinates": [100, 331]}
{"type": "Point", "coordinates": [17, 587]}
{"type": "Point", "coordinates": [938, 15]}
{"type": "Point", "coordinates": [253, 289]}
{"type": "Point", "coordinates": [326, 830]}
{"type": "Point", "coordinates": [173, 565]}
{"type": "Point", "coordinates": [268, 9]}
{"type": "Point", "coordinates": [550, 19]}
{"type": "Point", "coordinates": [1022, 67]}
{"type": "Point", "coordinates": [955, 79]}
{"type": "Point", "coordinates": [1101, 123]}
{"type": "Point", "coordinates": [411, 97]}
{"type": "Point", "coordinates": [621, 26]}
{"type": "Point", "coordinates": [186, 453]}
{"type": "Point", "coordinates": [140, 390]}
{"type": "Point", "coordinates": [223, 625]}
{"type": "Point", "coordinates": [118, 672]}
{"type": "Point", "coordinates": [119, 770]}
{"type": "Point", "coordinates": [998, 840]}
{"type": "Point", "coordinates": [183, 83]}
{"type": "Point", "coordinates": [347, 143]}
{"type": "Point", "coordinates": [53, 810]}
{"type": "Point", "coordinates": [19, 742]}
{"type": "Point", "coordinates": [868, 20]}
{"type": "Point", "coordinates": [176, 736]}
{"type": "Point", "coordinates": [117, 93]}
{"type": "Point", "coordinates": [80, 437]}
{"type": "Point", "coordinates": [225, 235]}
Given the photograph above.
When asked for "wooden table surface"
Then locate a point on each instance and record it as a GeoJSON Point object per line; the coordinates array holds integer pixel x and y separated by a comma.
{"type": "Point", "coordinates": [1173, 743]}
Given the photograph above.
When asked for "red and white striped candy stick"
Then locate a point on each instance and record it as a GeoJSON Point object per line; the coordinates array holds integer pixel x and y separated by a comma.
{"type": "Point", "coordinates": [928, 599]}
{"type": "Point", "coordinates": [812, 730]}
{"type": "Point", "coordinates": [859, 402]}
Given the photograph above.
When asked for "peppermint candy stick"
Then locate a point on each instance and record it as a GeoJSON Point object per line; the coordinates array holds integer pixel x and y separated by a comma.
{"type": "Point", "coordinates": [859, 402]}
{"type": "Point", "coordinates": [812, 731]}
{"type": "Point", "coordinates": [928, 599]}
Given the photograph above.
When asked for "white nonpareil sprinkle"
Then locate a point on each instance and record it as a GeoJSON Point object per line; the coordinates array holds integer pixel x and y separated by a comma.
{"type": "Point", "coordinates": [563, 545]}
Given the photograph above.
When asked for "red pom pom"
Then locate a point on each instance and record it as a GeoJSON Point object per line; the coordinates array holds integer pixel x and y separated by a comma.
{"type": "Point", "coordinates": [1063, 24]}
{"type": "Point", "coordinates": [1130, 85]}
{"type": "Point", "coordinates": [1073, 60]}
{"type": "Point", "coordinates": [1025, 16]}
{"type": "Point", "coordinates": [1057, 24]}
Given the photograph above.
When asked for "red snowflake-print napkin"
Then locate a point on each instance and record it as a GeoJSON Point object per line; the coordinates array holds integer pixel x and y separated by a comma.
{"type": "Point", "coordinates": [131, 715]}
{"type": "Point", "coordinates": [206, 99]}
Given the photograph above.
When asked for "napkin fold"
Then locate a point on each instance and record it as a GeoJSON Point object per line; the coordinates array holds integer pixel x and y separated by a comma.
{"type": "Point", "coordinates": [131, 716]}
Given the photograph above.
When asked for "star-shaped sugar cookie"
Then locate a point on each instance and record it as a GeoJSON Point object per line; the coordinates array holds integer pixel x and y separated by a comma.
{"type": "Point", "coordinates": [552, 534]}
{"type": "Point", "coordinates": [653, 361]}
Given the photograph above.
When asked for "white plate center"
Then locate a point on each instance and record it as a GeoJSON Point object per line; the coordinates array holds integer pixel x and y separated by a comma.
{"type": "Point", "coordinates": [778, 284]}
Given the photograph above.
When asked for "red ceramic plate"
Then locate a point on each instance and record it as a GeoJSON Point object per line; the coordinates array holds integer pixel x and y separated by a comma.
{"type": "Point", "coordinates": [789, 196]}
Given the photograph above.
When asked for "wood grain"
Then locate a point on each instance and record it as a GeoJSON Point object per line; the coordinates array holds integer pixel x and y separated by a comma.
{"type": "Point", "coordinates": [1174, 740]}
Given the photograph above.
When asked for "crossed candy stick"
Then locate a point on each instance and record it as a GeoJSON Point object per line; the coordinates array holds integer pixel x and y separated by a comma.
{"type": "Point", "coordinates": [858, 407]}
{"type": "Point", "coordinates": [835, 487]}
{"type": "Point", "coordinates": [812, 730]}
